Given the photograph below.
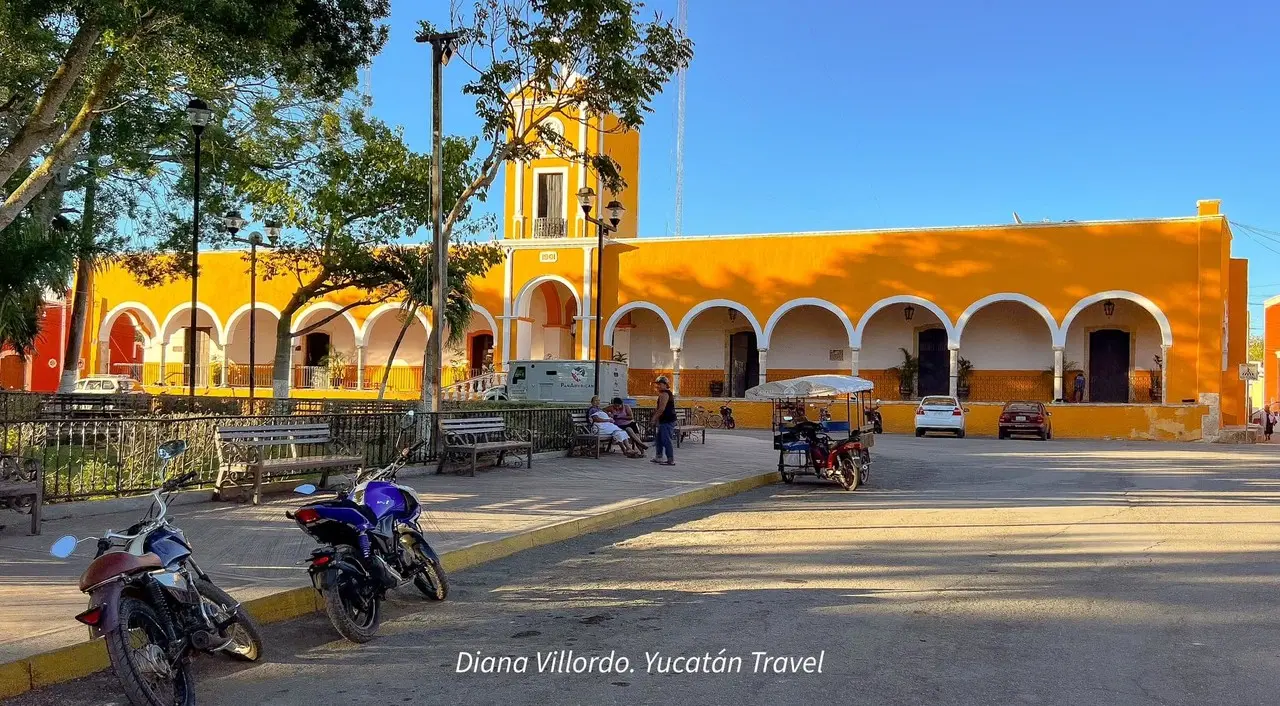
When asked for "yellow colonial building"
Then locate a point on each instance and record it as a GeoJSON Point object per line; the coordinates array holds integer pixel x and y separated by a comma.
{"type": "Point", "coordinates": [1152, 312]}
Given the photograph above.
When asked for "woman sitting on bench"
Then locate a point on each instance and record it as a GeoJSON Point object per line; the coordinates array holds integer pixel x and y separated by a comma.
{"type": "Point", "coordinates": [622, 416]}
{"type": "Point", "coordinates": [606, 427]}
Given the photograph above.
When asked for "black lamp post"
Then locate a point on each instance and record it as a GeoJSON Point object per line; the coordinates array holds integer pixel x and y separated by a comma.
{"type": "Point", "coordinates": [615, 209]}
{"type": "Point", "coordinates": [198, 116]}
{"type": "Point", "coordinates": [443, 45]}
{"type": "Point", "coordinates": [233, 223]}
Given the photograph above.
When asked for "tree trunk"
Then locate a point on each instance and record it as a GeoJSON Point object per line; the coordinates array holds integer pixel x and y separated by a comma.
{"type": "Point", "coordinates": [430, 371]}
{"type": "Point", "coordinates": [38, 129]}
{"type": "Point", "coordinates": [282, 366]}
{"type": "Point", "coordinates": [64, 148]}
{"type": "Point", "coordinates": [84, 271]}
{"type": "Point", "coordinates": [395, 348]}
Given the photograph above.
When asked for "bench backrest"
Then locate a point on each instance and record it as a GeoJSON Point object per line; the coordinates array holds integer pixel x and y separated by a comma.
{"type": "Point", "coordinates": [682, 415]}
{"type": "Point", "coordinates": [276, 434]}
{"type": "Point", "coordinates": [473, 425]}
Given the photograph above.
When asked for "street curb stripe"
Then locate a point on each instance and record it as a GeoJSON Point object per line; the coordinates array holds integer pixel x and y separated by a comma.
{"type": "Point", "coordinates": [81, 660]}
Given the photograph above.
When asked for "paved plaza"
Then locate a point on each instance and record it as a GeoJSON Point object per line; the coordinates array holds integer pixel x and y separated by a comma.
{"type": "Point", "coordinates": [970, 572]}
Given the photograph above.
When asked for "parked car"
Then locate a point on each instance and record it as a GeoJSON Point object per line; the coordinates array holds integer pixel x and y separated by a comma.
{"type": "Point", "coordinates": [1025, 418]}
{"type": "Point", "coordinates": [107, 385]}
{"type": "Point", "coordinates": [940, 413]}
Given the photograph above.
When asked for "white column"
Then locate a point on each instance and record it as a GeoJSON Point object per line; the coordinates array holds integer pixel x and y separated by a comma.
{"type": "Point", "coordinates": [104, 357]}
{"type": "Point", "coordinates": [164, 355]}
{"type": "Point", "coordinates": [675, 370]}
{"type": "Point", "coordinates": [764, 353]}
{"type": "Point", "coordinates": [1057, 373]}
{"type": "Point", "coordinates": [853, 360]}
{"type": "Point", "coordinates": [1164, 377]}
{"type": "Point", "coordinates": [362, 351]}
{"type": "Point", "coordinates": [226, 363]}
{"type": "Point", "coordinates": [955, 371]}
{"type": "Point", "coordinates": [508, 276]}
{"type": "Point", "coordinates": [586, 341]}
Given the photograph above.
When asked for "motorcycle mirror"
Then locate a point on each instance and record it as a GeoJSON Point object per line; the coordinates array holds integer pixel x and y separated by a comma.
{"type": "Point", "coordinates": [305, 489]}
{"type": "Point", "coordinates": [171, 449]}
{"type": "Point", "coordinates": [64, 547]}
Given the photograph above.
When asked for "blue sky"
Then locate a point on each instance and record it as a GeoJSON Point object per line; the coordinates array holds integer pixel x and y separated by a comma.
{"type": "Point", "coordinates": [811, 115]}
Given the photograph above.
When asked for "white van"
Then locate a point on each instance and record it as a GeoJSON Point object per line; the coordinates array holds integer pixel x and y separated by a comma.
{"type": "Point", "coordinates": [561, 381]}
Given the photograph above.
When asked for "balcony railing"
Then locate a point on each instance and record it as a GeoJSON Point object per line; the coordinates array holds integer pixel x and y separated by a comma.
{"type": "Point", "coordinates": [549, 227]}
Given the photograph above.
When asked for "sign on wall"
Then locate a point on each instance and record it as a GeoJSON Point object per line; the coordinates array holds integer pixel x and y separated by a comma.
{"type": "Point", "coordinates": [835, 354]}
{"type": "Point", "coordinates": [1250, 371]}
{"type": "Point", "coordinates": [548, 256]}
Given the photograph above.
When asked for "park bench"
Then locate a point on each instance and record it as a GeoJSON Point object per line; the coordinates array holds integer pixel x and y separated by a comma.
{"type": "Point", "coordinates": [474, 436]}
{"type": "Point", "coordinates": [22, 487]}
{"type": "Point", "coordinates": [684, 427]}
{"type": "Point", "coordinates": [587, 436]}
{"type": "Point", "coordinates": [249, 453]}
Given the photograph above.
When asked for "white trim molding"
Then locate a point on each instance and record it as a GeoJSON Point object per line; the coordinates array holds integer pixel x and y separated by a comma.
{"type": "Point", "coordinates": [525, 296]}
{"type": "Point", "coordinates": [1166, 330]}
{"type": "Point", "coordinates": [712, 304]}
{"type": "Point", "coordinates": [952, 340]}
{"type": "Point", "coordinates": [186, 307]}
{"type": "Point", "coordinates": [488, 319]}
{"type": "Point", "coordinates": [109, 321]}
{"type": "Point", "coordinates": [362, 334]}
{"type": "Point", "coordinates": [303, 313]}
{"type": "Point", "coordinates": [806, 301]}
{"type": "Point", "coordinates": [629, 307]}
{"type": "Point", "coordinates": [244, 311]}
{"type": "Point", "coordinates": [1034, 305]}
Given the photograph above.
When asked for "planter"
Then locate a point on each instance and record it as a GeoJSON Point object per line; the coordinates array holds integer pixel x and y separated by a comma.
{"type": "Point", "coordinates": [905, 390]}
{"type": "Point", "coordinates": [962, 390]}
{"type": "Point", "coordinates": [716, 387]}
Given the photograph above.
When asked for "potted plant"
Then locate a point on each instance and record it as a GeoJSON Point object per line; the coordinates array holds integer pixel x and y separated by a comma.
{"type": "Point", "coordinates": [333, 367]}
{"type": "Point", "coordinates": [619, 357]}
{"type": "Point", "coordinates": [963, 372]}
{"type": "Point", "coordinates": [1157, 377]}
{"type": "Point", "coordinates": [906, 372]}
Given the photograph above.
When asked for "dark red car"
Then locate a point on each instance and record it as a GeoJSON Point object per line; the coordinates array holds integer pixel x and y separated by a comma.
{"type": "Point", "coordinates": [1025, 418]}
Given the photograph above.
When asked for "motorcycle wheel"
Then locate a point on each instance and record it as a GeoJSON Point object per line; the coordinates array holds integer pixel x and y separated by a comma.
{"type": "Point", "coordinates": [246, 641]}
{"type": "Point", "coordinates": [847, 472]}
{"type": "Point", "coordinates": [788, 477]}
{"type": "Point", "coordinates": [864, 469]}
{"type": "Point", "coordinates": [354, 609]}
{"type": "Point", "coordinates": [433, 582]}
{"type": "Point", "coordinates": [138, 648]}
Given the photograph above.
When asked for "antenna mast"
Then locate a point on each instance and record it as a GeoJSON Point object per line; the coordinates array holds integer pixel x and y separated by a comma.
{"type": "Point", "coordinates": [683, 21]}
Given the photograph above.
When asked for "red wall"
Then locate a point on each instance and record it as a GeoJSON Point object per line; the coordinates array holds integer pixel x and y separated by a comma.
{"type": "Point", "coordinates": [1271, 344]}
{"type": "Point", "coordinates": [46, 359]}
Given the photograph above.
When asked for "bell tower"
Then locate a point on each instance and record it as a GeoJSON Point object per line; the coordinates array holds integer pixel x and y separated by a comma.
{"type": "Point", "coordinates": [541, 193]}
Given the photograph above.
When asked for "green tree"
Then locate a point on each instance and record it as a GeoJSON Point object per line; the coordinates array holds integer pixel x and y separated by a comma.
{"type": "Point", "coordinates": [76, 60]}
{"type": "Point", "coordinates": [545, 58]}
{"type": "Point", "coordinates": [1255, 347]}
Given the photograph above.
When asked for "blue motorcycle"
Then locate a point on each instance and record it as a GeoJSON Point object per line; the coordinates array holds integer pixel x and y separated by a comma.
{"type": "Point", "coordinates": [373, 544]}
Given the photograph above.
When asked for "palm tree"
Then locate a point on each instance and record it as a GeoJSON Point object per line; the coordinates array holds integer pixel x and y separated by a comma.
{"type": "Point", "coordinates": [37, 257]}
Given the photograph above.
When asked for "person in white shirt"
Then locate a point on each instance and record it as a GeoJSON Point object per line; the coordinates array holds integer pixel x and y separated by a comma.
{"type": "Point", "coordinates": [606, 427]}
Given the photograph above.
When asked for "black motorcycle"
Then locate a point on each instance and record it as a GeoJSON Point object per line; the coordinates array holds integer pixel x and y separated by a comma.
{"type": "Point", "coordinates": [155, 606]}
{"type": "Point", "coordinates": [726, 417]}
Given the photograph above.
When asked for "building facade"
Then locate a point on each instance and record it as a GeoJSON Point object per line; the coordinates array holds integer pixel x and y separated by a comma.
{"type": "Point", "coordinates": [1151, 312]}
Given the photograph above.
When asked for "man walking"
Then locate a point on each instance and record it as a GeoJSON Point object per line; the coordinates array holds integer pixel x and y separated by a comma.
{"type": "Point", "coordinates": [664, 420]}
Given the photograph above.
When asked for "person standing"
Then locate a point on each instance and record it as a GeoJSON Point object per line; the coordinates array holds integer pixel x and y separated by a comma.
{"type": "Point", "coordinates": [1269, 422]}
{"type": "Point", "coordinates": [1078, 394]}
{"type": "Point", "coordinates": [664, 420]}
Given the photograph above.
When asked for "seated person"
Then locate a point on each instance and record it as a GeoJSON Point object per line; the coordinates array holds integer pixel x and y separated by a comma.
{"type": "Point", "coordinates": [606, 427]}
{"type": "Point", "coordinates": [623, 417]}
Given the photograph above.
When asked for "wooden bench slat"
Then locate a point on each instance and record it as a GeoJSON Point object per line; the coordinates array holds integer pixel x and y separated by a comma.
{"type": "Point", "coordinates": [291, 436]}
{"type": "Point", "coordinates": [475, 435]}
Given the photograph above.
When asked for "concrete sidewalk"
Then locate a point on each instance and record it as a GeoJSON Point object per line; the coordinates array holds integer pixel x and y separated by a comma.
{"type": "Point", "coordinates": [254, 551]}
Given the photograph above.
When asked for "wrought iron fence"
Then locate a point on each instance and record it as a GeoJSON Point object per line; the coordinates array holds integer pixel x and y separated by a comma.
{"type": "Point", "coordinates": [86, 458]}
{"type": "Point", "coordinates": [29, 406]}
{"type": "Point", "coordinates": [1032, 385]}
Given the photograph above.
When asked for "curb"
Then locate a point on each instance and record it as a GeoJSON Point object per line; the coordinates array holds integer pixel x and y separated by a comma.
{"type": "Point", "coordinates": [81, 660]}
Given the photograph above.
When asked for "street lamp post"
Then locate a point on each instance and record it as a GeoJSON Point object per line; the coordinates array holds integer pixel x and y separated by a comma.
{"type": "Point", "coordinates": [615, 209]}
{"type": "Point", "coordinates": [198, 115]}
{"type": "Point", "coordinates": [233, 223]}
{"type": "Point", "coordinates": [442, 48]}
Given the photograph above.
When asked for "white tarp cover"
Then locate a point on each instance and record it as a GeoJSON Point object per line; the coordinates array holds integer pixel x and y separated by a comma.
{"type": "Point", "coordinates": [810, 386]}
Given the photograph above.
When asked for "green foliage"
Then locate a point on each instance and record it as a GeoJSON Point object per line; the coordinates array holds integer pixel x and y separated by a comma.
{"type": "Point", "coordinates": [413, 267]}
{"type": "Point", "coordinates": [907, 369]}
{"type": "Point", "coordinates": [36, 257]}
{"type": "Point", "coordinates": [1256, 352]}
{"type": "Point", "coordinates": [552, 57]}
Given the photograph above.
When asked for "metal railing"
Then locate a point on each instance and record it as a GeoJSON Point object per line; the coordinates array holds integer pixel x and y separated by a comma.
{"type": "Point", "coordinates": [101, 457]}
{"type": "Point", "coordinates": [1032, 385]}
{"type": "Point", "coordinates": [474, 388]}
{"type": "Point", "coordinates": [549, 227]}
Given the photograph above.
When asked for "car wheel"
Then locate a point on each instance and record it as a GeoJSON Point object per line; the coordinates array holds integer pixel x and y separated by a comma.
{"type": "Point", "coordinates": [1002, 434]}
{"type": "Point", "coordinates": [960, 434]}
{"type": "Point", "coordinates": [919, 432]}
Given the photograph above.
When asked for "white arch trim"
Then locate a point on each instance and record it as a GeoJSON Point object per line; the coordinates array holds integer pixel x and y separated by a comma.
{"type": "Point", "coordinates": [525, 297]}
{"type": "Point", "coordinates": [1166, 330]}
{"type": "Point", "coordinates": [952, 339]}
{"type": "Point", "coordinates": [1035, 306]}
{"type": "Point", "coordinates": [185, 307]}
{"type": "Point", "coordinates": [310, 309]}
{"type": "Point", "coordinates": [488, 319]}
{"type": "Point", "coordinates": [108, 321]}
{"type": "Point", "coordinates": [629, 307]}
{"type": "Point", "coordinates": [362, 334]}
{"type": "Point", "coordinates": [244, 311]}
{"type": "Point", "coordinates": [678, 341]}
{"type": "Point", "coordinates": [806, 301]}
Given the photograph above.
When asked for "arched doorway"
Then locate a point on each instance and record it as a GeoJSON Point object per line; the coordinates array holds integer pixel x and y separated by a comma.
{"type": "Point", "coordinates": [1009, 346]}
{"type": "Point", "coordinates": [547, 327]}
{"type": "Point", "coordinates": [400, 366]}
{"type": "Point", "coordinates": [641, 333]}
{"type": "Point", "coordinates": [328, 359]}
{"type": "Point", "coordinates": [808, 339]}
{"type": "Point", "coordinates": [905, 334]}
{"type": "Point", "coordinates": [127, 338]}
{"type": "Point", "coordinates": [719, 350]}
{"type": "Point", "coordinates": [13, 371]}
{"type": "Point", "coordinates": [177, 337]}
{"type": "Point", "coordinates": [264, 320]}
{"type": "Point", "coordinates": [1117, 344]}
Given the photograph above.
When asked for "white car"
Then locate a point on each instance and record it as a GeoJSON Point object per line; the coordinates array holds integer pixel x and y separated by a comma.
{"type": "Point", "coordinates": [942, 414]}
{"type": "Point", "coordinates": [106, 385]}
